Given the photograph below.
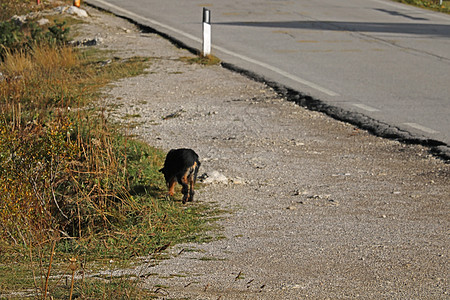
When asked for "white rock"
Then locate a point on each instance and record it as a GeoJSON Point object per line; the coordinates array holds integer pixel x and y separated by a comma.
{"type": "Point", "coordinates": [213, 177]}
{"type": "Point", "coordinates": [60, 9]}
{"type": "Point", "coordinates": [43, 21]}
{"type": "Point", "coordinates": [237, 180]}
{"type": "Point", "coordinates": [73, 10]}
{"type": "Point", "coordinates": [19, 20]}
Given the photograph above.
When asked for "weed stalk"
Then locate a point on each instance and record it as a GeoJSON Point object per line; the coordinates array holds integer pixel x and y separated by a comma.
{"type": "Point", "coordinates": [49, 268]}
{"type": "Point", "coordinates": [73, 268]}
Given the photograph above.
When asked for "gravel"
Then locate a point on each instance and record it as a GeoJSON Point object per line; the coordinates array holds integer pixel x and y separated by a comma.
{"type": "Point", "coordinates": [316, 208]}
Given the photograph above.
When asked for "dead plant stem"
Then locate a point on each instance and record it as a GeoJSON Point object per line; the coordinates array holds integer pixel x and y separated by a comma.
{"type": "Point", "coordinates": [49, 268]}
{"type": "Point", "coordinates": [71, 284]}
{"type": "Point", "coordinates": [32, 269]}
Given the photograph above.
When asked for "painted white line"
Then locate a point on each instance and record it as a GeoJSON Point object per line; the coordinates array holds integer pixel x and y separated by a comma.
{"type": "Point", "coordinates": [422, 128]}
{"type": "Point", "coordinates": [365, 107]}
{"type": "Point", "coordinates": [280, 72]}
{"type": "Point", "coordinates": [129, 13]}
{"type": "Point", "coordinates": [226, 51]}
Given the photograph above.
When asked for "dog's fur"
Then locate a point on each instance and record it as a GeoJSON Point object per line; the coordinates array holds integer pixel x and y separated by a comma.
{"type": "Point", "coordinates": [181, 165]}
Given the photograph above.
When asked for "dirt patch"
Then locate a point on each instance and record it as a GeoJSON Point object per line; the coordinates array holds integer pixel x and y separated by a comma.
{"type": "Point", "coordinates": [318, 208]}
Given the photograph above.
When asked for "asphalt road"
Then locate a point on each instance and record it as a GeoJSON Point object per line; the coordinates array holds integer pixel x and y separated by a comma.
{"type": "Point", "coordinates": [385, 60]}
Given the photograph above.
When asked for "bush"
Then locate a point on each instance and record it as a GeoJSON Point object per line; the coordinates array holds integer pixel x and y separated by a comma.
{"type": "Point", "coordinates": [11, 35]}
{"type": "Point", "coordinates": [60, 171]}
{"type": "Point", "coordinates": [32, 159]}
{"type": "Point", "coordinates": [14, 37]}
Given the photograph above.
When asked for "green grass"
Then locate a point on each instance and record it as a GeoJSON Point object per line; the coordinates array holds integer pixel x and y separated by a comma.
{"type": "Point", "coordinates": [131, 116]}
{"type": "Point", "coordinates": [16, 277]}
{"type": "Point", "coordinates": [208, 60]}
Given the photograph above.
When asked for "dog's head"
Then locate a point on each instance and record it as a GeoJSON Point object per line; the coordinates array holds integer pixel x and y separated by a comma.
{"type": "Point", "coordinates": [166, 175]}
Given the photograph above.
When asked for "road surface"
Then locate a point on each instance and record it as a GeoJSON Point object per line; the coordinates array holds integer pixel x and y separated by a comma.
{"type": "Point", "coordinates": [387, 61]}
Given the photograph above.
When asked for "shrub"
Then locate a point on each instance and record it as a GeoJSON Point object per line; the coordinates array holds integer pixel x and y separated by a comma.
{"type": "Point", "coordinates": [14, 37]}
{"type": "Point", "coordinates": [61, 171]}
{"type": "Point", "coordinates": [11, 35]}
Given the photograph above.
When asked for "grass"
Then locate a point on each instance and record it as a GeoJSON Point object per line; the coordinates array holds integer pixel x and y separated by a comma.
{"type": "Point", "coordinates": [208, 60]}
{"type": "Point", "coordinates": [60, 285]}
{"type": "Point", "coordinates": [75, 192]}
{"type": "Point", "coordinates": [430, 4]}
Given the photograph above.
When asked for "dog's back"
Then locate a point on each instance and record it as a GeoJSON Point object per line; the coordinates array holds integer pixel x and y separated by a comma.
{"type": "Point", "coordinates": [179, 160]}
{"type": "Point", "coordinates": [181, 165]}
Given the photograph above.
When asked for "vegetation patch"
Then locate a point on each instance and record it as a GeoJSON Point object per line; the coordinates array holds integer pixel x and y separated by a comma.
{"type": "Point", "coordinates": [15, 36]}
{"type": "Point", "coordinates": [74, 191]}
{"type": "Point", "coordinates": [429, 4]}
{"type": "Point", "coordinates": [21, 7]}
{"type": "Point", "coordinates": [208, 60]}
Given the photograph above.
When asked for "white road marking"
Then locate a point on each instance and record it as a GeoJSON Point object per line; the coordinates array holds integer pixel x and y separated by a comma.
{"type": "Point", "coordinates": [279, 71]}
{"type": "Point", "coordinates": [422, 128]}
{"type": "Point", "coordinates": [129, 13]}
{"type": "Point", "coordinates": [365, 107]}
{"type": "Point", "coordinates": [226, 51]}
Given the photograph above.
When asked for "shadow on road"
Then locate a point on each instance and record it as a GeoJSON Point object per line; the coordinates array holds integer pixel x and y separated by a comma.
{"type": "Point", "coordinates": [439, 30]}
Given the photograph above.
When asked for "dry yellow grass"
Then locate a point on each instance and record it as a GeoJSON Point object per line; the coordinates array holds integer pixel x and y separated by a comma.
{"type": "Point", "coordinates": [16, 64]}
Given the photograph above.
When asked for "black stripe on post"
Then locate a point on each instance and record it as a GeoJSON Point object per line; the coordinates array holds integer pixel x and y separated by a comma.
{"type": "Point", "coordinates": [206, 15]}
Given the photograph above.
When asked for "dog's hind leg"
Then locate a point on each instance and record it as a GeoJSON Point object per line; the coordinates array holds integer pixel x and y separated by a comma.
{"type": "Point", "coordinates": [185, 187]}
{"type": "Point", "coordinates": [191, 187]}
{"type": "Point", "coordinates": [192, 179]}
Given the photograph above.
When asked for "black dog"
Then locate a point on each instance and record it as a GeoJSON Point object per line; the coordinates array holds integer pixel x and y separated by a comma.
{"type": "Point", "coordinates": [181, 165]}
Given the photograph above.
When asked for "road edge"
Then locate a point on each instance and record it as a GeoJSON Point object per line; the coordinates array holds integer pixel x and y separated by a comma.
{"type": "Point", "coordinates": [437, 148]}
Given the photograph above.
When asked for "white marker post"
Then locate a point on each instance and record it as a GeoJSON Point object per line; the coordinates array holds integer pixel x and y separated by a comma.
{"type": "Point", "coordinates": [206, 31]}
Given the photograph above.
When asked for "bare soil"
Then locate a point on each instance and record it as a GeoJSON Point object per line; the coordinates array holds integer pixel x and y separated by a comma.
{"type": "Point", "coordinates": [317, 209]}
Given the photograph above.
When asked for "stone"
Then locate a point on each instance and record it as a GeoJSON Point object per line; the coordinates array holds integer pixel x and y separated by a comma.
{"type": "Point", "coordinates": [213, 177]}
{"type": "Point", "coordinates": [19, 20]}
{"type": "Point", "coordinates": [88, 42]}
{"type": "Point", "coordinates": [73, 10]}
{"type": "Point", "coordinates": [43, 21]}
